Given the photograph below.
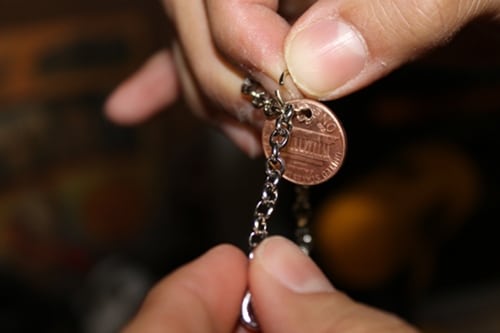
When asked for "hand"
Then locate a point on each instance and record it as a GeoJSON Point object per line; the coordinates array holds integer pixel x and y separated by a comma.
{"type": "Point", "coordinates": [333, 48]}
{"type": "Point", "coordinates": [290, 294]}
{"type": "Point", "coordinates": [202, 296]}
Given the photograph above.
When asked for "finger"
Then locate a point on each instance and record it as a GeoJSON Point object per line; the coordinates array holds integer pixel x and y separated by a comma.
{"type": "Point", "coordinates": [291, 294]}
{"type": "Point", "coordinates": [239, 128]}
{"type": "Point", "coordinates": [219, 80]}
{"type": "Point", "coordinates": [203, 296]}
{"type": "Point", "coordinates": [243, 136]}
{"type": "Point", "coordinates": [205, 73]}
{"type": "Point", "coordinates": [251, 34]}
{"type": "Point", "coordinates": [150, 89]}
{"type": "Point", "coordinates": [339, 46]}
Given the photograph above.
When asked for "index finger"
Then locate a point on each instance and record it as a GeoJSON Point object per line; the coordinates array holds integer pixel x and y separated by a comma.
{"type": "Point", "coordinates": [203, 296]}
{"type": "Point", "coordinates": [251, 34]}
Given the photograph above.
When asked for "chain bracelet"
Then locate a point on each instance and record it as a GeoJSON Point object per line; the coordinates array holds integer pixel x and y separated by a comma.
{"type": "Point", "coordinates": [274, 108]}
{"type": "Point", "coordinates": [314, 154]}
{"type": "Point", "coordinates": [275, 165]}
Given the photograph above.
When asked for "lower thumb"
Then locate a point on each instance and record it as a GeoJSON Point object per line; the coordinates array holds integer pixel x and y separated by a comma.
{"type": "Point", "coordinates": [337, 47]}
{"type": "Point", "coordinates": [291, 294]}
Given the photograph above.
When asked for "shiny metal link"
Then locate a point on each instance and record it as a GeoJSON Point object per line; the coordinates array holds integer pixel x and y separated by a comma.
{"type": "Point", "coordinates": [272, 107]}
{"type": "Point", "coordinates": [247, 315]}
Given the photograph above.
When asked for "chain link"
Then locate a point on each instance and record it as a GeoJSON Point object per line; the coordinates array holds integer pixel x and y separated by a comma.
{"type": "Point", "coordinates": [261, 99]}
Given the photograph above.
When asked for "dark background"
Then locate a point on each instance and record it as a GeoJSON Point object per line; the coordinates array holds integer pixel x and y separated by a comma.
{"type": "Point", "coordinates": [92, 214]}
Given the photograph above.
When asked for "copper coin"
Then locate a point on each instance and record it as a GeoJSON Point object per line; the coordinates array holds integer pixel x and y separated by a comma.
{"type": "Point", "coordinates": [317, 143]}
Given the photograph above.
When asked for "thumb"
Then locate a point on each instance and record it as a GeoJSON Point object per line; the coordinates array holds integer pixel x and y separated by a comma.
{"type": "Point", "coordinates": [339, 46]}
{"type": "Point", "coordinates": [290, 294]}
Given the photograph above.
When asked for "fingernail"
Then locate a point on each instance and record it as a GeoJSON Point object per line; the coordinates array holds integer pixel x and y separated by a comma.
{"type": "Point", "coordinates": [324, 56]}
{"type": "Point", "coordinates": [284, 261]}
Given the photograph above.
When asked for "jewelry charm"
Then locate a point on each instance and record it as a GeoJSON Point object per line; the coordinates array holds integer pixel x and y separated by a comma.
{"type": "Point", "coordinates": [305, 144]}
{"type": "Point", "coordinates": [317, 144]}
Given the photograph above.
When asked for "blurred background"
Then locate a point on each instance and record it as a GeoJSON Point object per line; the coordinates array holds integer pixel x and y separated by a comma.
{"type": "Point", "coordinates": [92, 214]}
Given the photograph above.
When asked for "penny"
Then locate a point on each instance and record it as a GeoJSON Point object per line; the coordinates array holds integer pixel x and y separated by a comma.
{"type": "Point", "coordinates": [317, 144]}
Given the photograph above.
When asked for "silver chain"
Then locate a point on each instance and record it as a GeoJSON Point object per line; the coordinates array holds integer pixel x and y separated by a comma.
{"type": "Point", "coordinates": [275, 165]}
{"type": "Point", "coordinates": [275, 168]}
{"type": "Point", "coordinates": [262, 100]}
{"type": "Point", "coordinates": [274, 108]}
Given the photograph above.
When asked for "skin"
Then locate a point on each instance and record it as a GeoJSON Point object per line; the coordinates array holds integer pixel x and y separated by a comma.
{"type": "Point", "coordinates": [205, 296]}
{"type": "Point", "coordinates": [331, 48]}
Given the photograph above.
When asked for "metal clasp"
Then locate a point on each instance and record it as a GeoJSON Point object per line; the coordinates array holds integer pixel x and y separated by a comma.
{"type": "Point", "coordinates": [247, 315]}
